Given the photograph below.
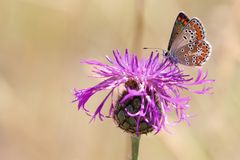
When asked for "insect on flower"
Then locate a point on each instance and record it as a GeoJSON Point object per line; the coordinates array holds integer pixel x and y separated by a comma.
{"type": "Point", "coordinates": [151, 88]}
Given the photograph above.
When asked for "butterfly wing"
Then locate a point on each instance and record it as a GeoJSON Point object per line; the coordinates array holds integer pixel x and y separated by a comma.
{"type": "Point", "coordinates": [180, 22]}
{"type": "Point", "coordinates": [190, 47]}
{"type": "Point", "coordinates": [194, 54]}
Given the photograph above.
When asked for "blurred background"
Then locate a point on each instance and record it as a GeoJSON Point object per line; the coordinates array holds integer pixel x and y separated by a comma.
{"type": "Point", "coordinates": [41, 45]}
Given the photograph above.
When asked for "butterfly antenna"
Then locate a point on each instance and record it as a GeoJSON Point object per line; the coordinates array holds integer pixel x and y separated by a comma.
{"type": "Point", "coordinates": [157, 49]}
{"type": "Point", "coordinates": [150, 48]}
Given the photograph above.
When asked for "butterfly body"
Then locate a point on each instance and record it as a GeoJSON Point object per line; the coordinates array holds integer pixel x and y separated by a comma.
{"type": "Point", "coordinates": [187, 44]}
{"type": "Point", "coordinates": [170, 56]}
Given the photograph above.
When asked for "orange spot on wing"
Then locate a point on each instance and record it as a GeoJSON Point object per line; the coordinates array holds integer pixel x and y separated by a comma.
{"type": "Point", "coordinates": [198, 62]}
{"type": "Point", "coordinates": [204, 49]}
{"type": "Point", "coordinates": [198, 32]}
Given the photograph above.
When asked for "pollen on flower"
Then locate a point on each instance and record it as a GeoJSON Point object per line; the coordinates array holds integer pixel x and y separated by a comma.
{"type": "Point", "coordinates": [151, 90]}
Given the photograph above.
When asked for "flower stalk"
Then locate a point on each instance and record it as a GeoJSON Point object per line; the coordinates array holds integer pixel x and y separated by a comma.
{"type": "Point", "coordinates": [135, 146]}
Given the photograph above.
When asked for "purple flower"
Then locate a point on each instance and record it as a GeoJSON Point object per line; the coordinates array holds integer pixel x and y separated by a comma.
{"type": "Point", "coordinates": [151, 89]}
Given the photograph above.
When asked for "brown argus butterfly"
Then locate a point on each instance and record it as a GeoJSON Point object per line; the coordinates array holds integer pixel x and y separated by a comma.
{"type": "Point", "coordinates": [188, 45]}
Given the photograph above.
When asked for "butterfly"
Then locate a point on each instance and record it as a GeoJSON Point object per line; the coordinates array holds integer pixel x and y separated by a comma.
{"type": "Point", "coordinates": [187, 44]}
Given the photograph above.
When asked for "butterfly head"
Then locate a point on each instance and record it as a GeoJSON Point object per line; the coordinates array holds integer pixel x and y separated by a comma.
{"type": "Point", "coordinates": [170, 57]}
{"type": "Point", "coordinates": [166, 54]}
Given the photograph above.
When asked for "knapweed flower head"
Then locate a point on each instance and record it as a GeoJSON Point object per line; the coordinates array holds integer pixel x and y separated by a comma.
{"type": "Point", "coordinates": [151, 89]}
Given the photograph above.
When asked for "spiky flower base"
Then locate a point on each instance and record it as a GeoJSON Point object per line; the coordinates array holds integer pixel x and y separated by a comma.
{"type": "Point", "coordinates": [123, 113]}
{"type": "Point", "coordinates": [128, 123]}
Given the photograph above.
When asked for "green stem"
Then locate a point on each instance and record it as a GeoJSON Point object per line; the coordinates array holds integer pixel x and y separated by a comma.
{"type": "Point", "coordinates": [135, 146]}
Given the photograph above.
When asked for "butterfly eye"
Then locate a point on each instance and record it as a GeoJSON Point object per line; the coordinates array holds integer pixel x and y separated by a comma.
{"type": "Point", "coordinates": [166, 54]}
{"type": "Point", "coordinates": [182, 50]}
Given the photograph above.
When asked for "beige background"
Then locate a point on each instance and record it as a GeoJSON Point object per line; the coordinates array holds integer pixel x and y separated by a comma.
{"type": "Point", "coordinates": [41, 45]}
